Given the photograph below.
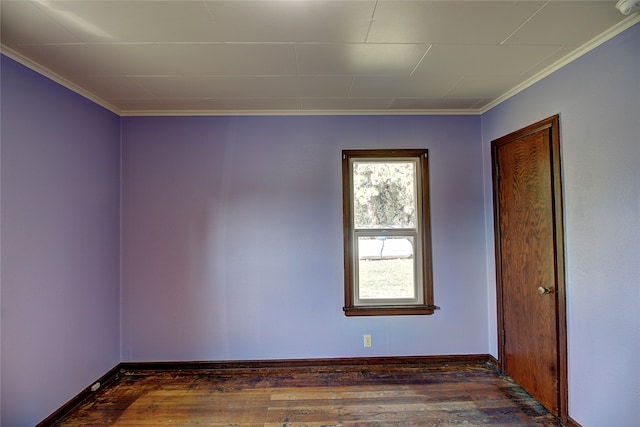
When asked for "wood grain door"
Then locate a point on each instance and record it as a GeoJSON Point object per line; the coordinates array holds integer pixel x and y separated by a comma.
{"type": "Point", "coordinates": [529, 261]}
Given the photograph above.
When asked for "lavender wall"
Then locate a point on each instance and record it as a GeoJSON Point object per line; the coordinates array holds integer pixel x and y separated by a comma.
{"type": "Point", "coordinates": [232, 238]}
{"type": "Point", "coordinates": [60, 244]}
{"type": "Point", "coordinates": [598, 98]}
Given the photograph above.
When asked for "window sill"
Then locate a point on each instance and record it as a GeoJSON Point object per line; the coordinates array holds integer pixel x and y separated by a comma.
{"type": "Point", "coordinates": [393, 310]}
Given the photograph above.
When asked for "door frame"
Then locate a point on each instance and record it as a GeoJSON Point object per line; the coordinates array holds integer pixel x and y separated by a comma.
{"type": "Point", "coordinates": [552, 124]}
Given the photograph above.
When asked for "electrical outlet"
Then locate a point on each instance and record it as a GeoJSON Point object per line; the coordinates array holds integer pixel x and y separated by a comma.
{"type": "Point", "coordinates": [367, 340]}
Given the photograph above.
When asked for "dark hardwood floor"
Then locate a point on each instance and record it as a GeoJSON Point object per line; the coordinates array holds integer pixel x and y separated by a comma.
{"type": "Point", "coordinates": [354, 395]}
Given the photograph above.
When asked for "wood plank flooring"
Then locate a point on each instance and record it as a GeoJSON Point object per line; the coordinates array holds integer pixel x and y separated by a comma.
{"type": "Point", "coordinates": [333, 396]}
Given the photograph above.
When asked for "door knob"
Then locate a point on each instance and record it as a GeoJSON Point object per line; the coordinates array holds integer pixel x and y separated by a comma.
{"type": "Point", "coordinates": [542, 290]}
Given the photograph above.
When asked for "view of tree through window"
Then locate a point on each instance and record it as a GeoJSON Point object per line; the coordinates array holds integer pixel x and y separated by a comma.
{"type": "Point", "coordinates": [384, 194]}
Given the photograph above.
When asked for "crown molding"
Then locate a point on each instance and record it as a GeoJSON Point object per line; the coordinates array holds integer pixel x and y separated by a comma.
{"type": "Point", "coordinates": [582, 50]}
{"type": "Point", "coordinates": [191, 113]}
{"type": "Point", "coordinates": [57, 78]}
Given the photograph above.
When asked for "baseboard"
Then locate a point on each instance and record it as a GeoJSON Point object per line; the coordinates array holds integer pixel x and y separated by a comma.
{"type": "Point", "coordinates": [112, 375]}
{"type": "Point", "coordinates": [61, 412]}
{"type": "Point", "coordinates": [308, 363]}
{"type": "Point", "coordinates": [572, 423]}
{"type": "Point", "coordinates": [493, 362]}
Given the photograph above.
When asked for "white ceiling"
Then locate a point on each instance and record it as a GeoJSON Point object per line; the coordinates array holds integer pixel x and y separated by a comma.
{"type": "Point", "coordinates": [301, 56]}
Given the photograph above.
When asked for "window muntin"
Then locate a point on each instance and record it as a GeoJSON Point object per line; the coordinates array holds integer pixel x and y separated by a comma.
{"type": "Point", "coordinates": [387, 242]}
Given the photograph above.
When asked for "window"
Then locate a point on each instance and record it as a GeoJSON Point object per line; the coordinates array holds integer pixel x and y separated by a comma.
{"type": "Point", "coordinates": [387, 242]}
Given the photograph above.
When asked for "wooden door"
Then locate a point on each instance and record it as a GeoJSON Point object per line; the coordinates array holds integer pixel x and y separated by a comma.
{"type": "Point", "coordinates": [529, 261]}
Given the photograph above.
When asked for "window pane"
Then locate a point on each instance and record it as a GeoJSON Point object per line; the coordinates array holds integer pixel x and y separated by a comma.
{"type": "Point", "coordinates": [386, 268]}
{"type": "Point", "coordinates": [384, 194]}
